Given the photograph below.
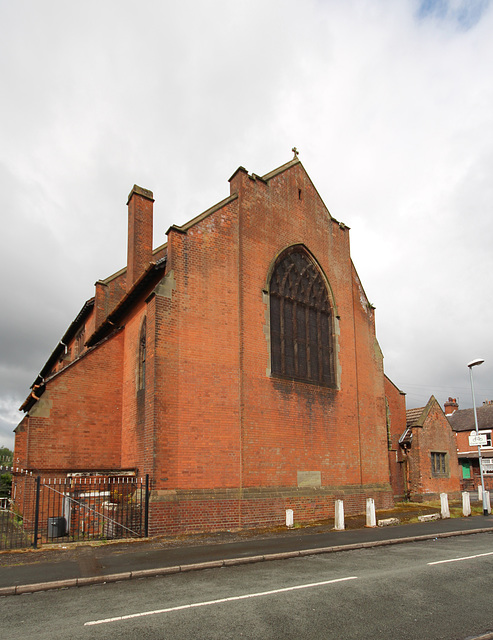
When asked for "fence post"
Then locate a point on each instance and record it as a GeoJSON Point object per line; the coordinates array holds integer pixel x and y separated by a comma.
{"type": "Point", "coordinates": [36, 513]}
{"type": "Point", "coordinates": [146, 514]}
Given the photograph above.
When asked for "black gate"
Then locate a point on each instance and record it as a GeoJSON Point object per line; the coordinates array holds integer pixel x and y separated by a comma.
{"type": "Point", "coordinates": [74, 508]}
{"type": "Point", "coordinates": [12, 532]}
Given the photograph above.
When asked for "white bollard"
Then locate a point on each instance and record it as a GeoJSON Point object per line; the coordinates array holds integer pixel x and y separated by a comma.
{"type": "Point", "coordinates": [488, 503]}
{"type": "Point", "coordinates": [466, 504]}
{"type": "Point", "coordinates": [480, 493]}
{"type": "Point", "coordinates": [289, 518]}
{"type": "Point", "coordinates": [339, 515]}
{"type": "Point", "coordinates": [444, 505]}
{"type": "Point", "coordinates": [371, 519]}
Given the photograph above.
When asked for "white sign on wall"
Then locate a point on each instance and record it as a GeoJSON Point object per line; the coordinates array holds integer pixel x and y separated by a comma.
{"type": "Point", "coordinates": [477, 439]}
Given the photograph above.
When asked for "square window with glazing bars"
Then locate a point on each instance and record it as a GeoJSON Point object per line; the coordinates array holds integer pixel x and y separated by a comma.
{"type": "Point", "coordinates": [438, 463]}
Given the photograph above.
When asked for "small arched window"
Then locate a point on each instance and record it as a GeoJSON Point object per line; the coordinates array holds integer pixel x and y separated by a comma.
{"type": "Point", "coordinates": [141, 383]}
{"type": "Point", "coordinates": [301, 320]}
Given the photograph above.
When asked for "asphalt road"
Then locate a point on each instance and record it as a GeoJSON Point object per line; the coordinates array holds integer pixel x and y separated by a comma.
{"type": "Point", "coordinates": [382, 592]}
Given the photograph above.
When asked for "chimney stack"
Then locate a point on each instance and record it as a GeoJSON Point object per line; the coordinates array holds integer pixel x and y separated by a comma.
{"type": "Point", "coordinates": [139, 254]}
{"type": "Point", "coordinates": [450, 406]}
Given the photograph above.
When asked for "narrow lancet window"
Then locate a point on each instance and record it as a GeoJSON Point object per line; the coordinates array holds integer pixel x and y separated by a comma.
{"type": "Point", "coordinates": [142, 357]}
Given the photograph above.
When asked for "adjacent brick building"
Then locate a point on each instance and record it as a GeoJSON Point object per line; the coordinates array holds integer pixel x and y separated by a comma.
{"type": "Point", "coordinates": [423, 453]}
{"type": "Point", "coordinates": [463, 424]}
{"type": "Point", "coordinates": [236, 364]}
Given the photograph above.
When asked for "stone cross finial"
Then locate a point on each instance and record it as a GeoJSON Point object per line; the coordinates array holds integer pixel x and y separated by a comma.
{"type": "Point", "coordinates": [295, 151]}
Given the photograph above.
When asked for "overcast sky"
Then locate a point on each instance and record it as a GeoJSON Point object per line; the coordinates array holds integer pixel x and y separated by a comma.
{"type": "Point", "coordinates": [389, 102]}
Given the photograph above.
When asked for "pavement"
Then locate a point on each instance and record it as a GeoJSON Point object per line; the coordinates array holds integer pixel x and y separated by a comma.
{"type": "Point", "coordinates": [75, 565]}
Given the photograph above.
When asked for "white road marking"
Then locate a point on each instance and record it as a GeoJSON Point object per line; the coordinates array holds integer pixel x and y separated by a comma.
{"type": "Point", "coordinates": [220, 601]}
{"type": "Point", "coordinates": [479, 555]}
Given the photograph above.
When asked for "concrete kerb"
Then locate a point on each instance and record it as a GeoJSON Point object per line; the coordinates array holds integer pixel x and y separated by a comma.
{"type": "Point", "coordinates": [216, 564]}
{"type": "Point", "coordinates": [46, 586]}
{"type": "Point", "coordinates": [246, 560]}
{"type": "Point", "coordinates": [153, 573]}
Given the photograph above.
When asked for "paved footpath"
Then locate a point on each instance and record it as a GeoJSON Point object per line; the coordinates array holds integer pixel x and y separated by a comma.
{"type": "Point", "coordinates": [78, 565]}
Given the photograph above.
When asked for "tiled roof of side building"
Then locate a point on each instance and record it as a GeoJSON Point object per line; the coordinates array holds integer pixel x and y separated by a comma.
{"type": "Point", "coordinates": [413, 415]}
{"type": "Point", "coordinates": [463, 420]}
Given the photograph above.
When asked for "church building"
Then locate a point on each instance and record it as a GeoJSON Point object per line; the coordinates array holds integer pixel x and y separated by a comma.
{"type": "Point", "coordinates": [236, 364]}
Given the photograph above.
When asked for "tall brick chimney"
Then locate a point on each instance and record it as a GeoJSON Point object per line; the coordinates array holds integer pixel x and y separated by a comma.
{"type": "Point", "coordinates": [139, 254]}
{"type": "Point", "coordinates": [450, 406]}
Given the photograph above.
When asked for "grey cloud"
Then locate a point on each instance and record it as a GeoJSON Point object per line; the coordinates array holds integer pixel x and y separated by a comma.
{"type": "Point", "coordinates": [392, 115]}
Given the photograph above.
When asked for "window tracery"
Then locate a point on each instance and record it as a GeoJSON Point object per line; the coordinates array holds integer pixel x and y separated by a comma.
{"type": "Point", "coordinates": [300, 320]}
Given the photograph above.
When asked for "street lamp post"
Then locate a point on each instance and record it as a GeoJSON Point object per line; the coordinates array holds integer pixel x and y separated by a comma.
{"type": "Point", "coordinates": [472, 364]}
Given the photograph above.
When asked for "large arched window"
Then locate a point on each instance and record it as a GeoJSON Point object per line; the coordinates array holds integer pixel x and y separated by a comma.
{"type": "Point", "coordinates": [141, 382]}
{"type": "Point", "coordinates": [300, 320]}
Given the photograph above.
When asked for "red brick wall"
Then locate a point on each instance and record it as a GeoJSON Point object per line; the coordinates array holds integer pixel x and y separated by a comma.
{"type": "Point", "coordinates": [133, 417]}
{"type": "Point", "coordinates": [196, 365]}
{"type": "Point", "coordinates": [139, 250]}
{"type": "Point", "coordinates": [214, 429]}
{"type": "Point", "coordinates": [77, 422]}
{"type": "Point", "coordinates": [370, 392]}
{"type": "Point", "coordinates": [21, 443]}
{"type": "Point", "coordinates": [108, 294]}
{"type": "Point", "coordinates": [397, 425]}
{"type": "Point", "coordinates": [462, 439]}
{"type": "Point", "coordinates": [436, 435]}
{"type": "Point", "coordinates": [183, 513]}
{"type": "Point", "coordinates": [221, 420]}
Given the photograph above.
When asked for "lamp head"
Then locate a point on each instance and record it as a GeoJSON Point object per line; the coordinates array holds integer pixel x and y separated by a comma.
{"type": "Point", "coordinates": [474, 363]}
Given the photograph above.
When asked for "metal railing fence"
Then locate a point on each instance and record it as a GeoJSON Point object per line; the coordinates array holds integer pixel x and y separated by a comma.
{"type": "Point", "coordinates": [73, 508]}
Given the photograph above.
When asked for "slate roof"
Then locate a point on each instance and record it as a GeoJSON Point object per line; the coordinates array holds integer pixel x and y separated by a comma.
{"type": "Point", "coordinates": [67, 337]}
{"type": "Point", "coordinates": [152, 272]}
{"type": "Point", "coordinates": [463, 420]}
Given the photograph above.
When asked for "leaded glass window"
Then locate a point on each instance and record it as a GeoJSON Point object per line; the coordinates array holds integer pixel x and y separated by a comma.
{"type": "Point", "coordinates": [300, 320]}
{"type": "Point", "coordinates": [438, 464]}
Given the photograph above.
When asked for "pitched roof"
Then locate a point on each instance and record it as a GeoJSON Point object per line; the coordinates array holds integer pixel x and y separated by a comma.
{"type": "Point", "coordinates": [463, 420]}
{"type": "Point", "coordinates": [412, 420]}
{"type": "Point", "coordinates": [67, 337]}
{"type": "Point", "coordinates": [413, 416]}
{"type": "Point", "coordinates": [416, 418]}
{"type": "Point", "coordinates": [127, 301]}
{"type": "Point", "coordinates": [109, 325]}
